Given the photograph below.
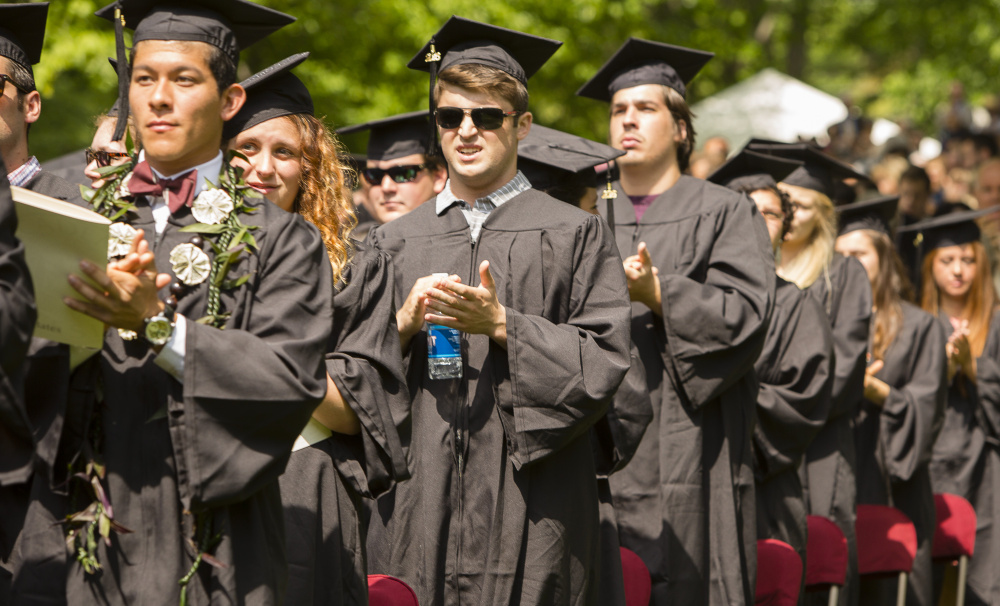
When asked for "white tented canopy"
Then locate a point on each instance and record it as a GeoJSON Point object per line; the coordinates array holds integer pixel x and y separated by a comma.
{"type": "Point", "coordinates": [767, 105]}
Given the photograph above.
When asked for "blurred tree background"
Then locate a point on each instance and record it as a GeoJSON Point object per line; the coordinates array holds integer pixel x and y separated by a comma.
{"type": "Point", "coordinates": [893, 58]}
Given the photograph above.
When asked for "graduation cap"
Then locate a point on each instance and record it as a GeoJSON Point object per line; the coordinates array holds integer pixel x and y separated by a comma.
{"type": "Point", "coordinates": [550, 157]}
{"type": "Point", "coordinates": [876, 214]}
{"type": "Point", "coordinates": [951, 229]}
{"type": "Point", "coordinates": [271, 93]}
{"type": "Point", "coordinates": [22, 32]}
{"type": "Point", "coordinates": [396, 136]}
{"type": "Point", "coordinates": [462, 41]}
{"type": "Point", "coordinates": [750, 170]}
{"type": "Point", "coordinates": [229, 25]}
{"type": "Point", "coordinates": [818, 172]}
{"type": "Point", "coordinates": [645, 62]}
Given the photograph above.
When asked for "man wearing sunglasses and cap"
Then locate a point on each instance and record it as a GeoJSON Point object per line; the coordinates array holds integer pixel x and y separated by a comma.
{"type": "Point", "coordinates": [701, 276]}
{"type": "Point", "coordinates": [502, 506]}
{"type": "Point", "coordinates": [399, 169]}
{"type": "Point", "coordinates": [175, 433]}
{"type": "Point", "coordinates": [22, 31]}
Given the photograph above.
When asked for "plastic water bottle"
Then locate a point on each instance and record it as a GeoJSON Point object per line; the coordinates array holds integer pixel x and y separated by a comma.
{"type": "Point", "coordinates": [444, 349]}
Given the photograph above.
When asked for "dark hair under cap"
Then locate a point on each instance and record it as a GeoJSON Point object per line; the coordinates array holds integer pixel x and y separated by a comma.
{"type": "Point", "coordinates": [640, 62]}
{"type": "Point", "coordinates": [22, 32]}
{"type": "Point", "coordinates": [271, 93]}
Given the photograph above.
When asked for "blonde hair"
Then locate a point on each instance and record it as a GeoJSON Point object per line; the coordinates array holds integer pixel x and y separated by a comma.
{"type": "Point", "coordinates": [814, 260]}
{"type": "Point", "coordinates": [321, 199]}
{"type": "Point", "coordinates": [980, 300]}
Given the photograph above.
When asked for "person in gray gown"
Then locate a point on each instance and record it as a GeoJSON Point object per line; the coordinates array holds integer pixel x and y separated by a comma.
{"type": "Point", "coordinates": [905, 389]}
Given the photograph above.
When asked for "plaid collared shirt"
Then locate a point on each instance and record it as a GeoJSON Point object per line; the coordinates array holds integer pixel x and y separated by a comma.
{"type": "Point", "coordinates": [481, 207]}
{"type": "Point", "coordinates": [24, 173]}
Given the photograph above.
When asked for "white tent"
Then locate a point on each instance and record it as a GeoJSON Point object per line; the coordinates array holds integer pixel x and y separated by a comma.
{"type": "Point", "coordinates": [768, 105]}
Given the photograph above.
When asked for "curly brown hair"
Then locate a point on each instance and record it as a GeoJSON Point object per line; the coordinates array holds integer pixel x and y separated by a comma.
{"type": "Point", "coordinates": [321, 199]}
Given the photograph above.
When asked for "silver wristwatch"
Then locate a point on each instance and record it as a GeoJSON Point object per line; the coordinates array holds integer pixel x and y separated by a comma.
{"type": "Point", "coordinates": [160, 327]}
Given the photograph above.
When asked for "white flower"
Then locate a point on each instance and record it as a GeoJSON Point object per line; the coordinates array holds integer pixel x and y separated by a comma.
{"type": "Point", "coordinates": [123, 190]}
{"type": "Point", "coordinates": [127, 335]}
{"type": "Point", "coordinates": [190, 264]}
{"type": "Point", "coordinates": [120, 238]}
{"type": "Point", "coordinates": [212, 206]}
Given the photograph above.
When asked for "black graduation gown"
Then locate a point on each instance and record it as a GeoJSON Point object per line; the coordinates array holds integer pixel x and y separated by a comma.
{"type": "Point", "coordinates": [966, 461]}
{"type": "Point", "coordinates": [45, 375]}
{"type": "Point", "coordinates": [894, 443]}
{"type": "Point", "coordinates": [795, 370]}
{"type": "Point", "coordinates": [502, 506]}
{"type": "Point", "coordinates": [17, 320]}
{"type": "Point", "coordinates": [324, 483]}
{"type": "Point", "coordinates": [225, 438]}
{"type": "Point", "coordinates": [616, 438]}
{"type": "Point", "coordinates": [685, 503]}
{"type": "Point", "coordinates": [830, 480]}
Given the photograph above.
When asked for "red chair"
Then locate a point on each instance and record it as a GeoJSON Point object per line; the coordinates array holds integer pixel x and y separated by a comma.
{"type": "Point", "coordinates": [826, 557]}
{"type": "Point", "coordinates": [887, 544]}
{"type": "Point", "coordinates": [638, 585]}
{"type": "Point", "coordinates": [955, 536]}
{"type": "Point", "coordinates": [384, 590]}
{"type": "Point", "coordinates": [779, 574]}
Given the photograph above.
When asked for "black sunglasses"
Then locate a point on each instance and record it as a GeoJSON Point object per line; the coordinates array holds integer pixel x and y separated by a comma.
{"type": "Point", "coordinates": [485, 118]}
{"type": "Point", "coordinates": [4, 79]}
{"type": "Point", "coordinates": [104, 158]}
{"type": "Point", "coordinates": [398, 174]}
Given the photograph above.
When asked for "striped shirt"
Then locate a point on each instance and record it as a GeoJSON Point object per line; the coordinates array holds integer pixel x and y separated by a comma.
{"type": "Point", "coordinates": [24, 173]}
{"type": "Point", "coordinates": [481, 207]}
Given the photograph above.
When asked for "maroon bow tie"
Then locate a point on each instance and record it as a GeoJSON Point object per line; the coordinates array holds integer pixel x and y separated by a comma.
{"type": "Point", "coordinates": [181, 189]}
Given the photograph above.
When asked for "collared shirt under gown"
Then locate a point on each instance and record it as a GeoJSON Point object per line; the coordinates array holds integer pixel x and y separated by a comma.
{"type": "Point", "coordinates": [324, 484]}
{"type": "Point", "coordinates": [846, 294]}
{"type": "Point", "coordinates": [894, 443]}
{"type": "Point", "coordinates": [212, 444]}
{"type": "Point", "coordinates": [966, 461]}
{"type": "Point", "coordinates": [502, 507]}
{"type": "Point", "coordinates": [685, 502]}
{"type": "Point", "coordinates": [795, 370]}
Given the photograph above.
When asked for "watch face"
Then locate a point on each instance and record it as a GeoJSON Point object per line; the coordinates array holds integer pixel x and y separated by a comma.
{"type": "Point", "coordinates": [158, 330]}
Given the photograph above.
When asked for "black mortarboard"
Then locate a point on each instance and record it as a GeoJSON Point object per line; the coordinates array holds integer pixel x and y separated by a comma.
{"type": "Point", "coordinates": [462, 41]}
{"type": "Point", "coordinates": [952, 229]}
{"type": "Point", "coordinates": [229, 25]}
{"type": "Point", "coordinates": [550, 157]}
{"type": "Point", "coordinates": [271, 93]}
{"type": "Point", "coordinates": [749, 170]}
{"type": "Point", "coordinates": [394, 137]}
{"type": "Point", "coordinates": [22, 32]}
{"type": "Point", "coordinates": [645, 62]}
{"type": "Point", "coordinates": [818, 172]}
{"type": "Point", "coordinates": [876, 214]}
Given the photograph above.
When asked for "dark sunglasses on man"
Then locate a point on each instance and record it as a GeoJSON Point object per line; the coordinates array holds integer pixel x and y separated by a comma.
{"type": "Point", "coordinates": [4, 79]}
{"type": "Point", "coordinates": [485, 118]}
{"type": "Point", "coordinates": [104, 158]}
{"type": "Point", "coordinates": [398, 174]}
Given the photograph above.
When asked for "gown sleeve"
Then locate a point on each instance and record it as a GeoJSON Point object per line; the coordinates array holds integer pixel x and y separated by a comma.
{"type": "Point", "coordinates": [363, 359]}
{"type": "Point", "coordinates": [617, 434]}
{"type": "Point", "coordinates": [850, 338]}
{"type": "Point", "coordinates": [17, 321]}
{"type": "Point", "coordinates": [988, 383]}
{"type": "Point", "coordinates": [796, 379]}
{"type": "Point", "coordinates": [249, 390]}
{"type": "Point", "coordinates": [715, 328]}
{"type": "Point", "coordinates": [911, 416]}
{"type": "Point", "coordinates": [558, 379]}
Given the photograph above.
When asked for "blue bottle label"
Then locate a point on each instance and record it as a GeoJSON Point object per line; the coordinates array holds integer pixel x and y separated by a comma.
{"type": "Point", "coordinates": [443, 342]}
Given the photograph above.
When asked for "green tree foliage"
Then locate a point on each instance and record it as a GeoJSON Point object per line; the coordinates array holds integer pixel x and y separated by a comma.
{"type": "Point", "coordinates": [894, 57]}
